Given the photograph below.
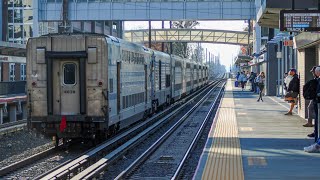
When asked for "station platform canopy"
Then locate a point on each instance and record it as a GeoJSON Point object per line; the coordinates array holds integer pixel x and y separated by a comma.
{"type": "Point", "coordinates": [12, 49]}
{"type": "Point", "coordinates": [268, 14]}
{"type": "Point", "coordinates": [189, 35]}
{"type": "Point", "coordinates": [242, 59]}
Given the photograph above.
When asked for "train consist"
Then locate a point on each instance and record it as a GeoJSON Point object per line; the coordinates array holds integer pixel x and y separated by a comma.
{"type": "Point", "coordinates": [89, 85]}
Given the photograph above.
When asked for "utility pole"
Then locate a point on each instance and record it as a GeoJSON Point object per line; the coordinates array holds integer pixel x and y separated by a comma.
{"type": "Point", "coordinates": [162, 44]}
{"type": "Point", "coordinates": [149, 34]}
{"type": "Point", "coordinates": [65, 21]}
{"type": "Point", "coordinates": [249, 31]}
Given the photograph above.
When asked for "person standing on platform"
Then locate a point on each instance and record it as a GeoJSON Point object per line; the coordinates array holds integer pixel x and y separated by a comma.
{"type": "Point", "coordinates": [293, 90]}
{"type": "Point", "coordinates": [260, 80]}
{"type": "Point", "coordinates": [251, 79]}
{"type": "Point", "coordinates": [242, 79]}
{"type": "Point", "coordinates": [248, 78]}
{"type": "Point", "coordinates": [238, 74]}
{"type": "Point", "coordinates": [315, 105]}
{"type": "Point", "coordinates": [284, 82]}
{"type": "Point", "coordinates": [315, 148]}
{"type": "Point", "coordinates": [311, 107]}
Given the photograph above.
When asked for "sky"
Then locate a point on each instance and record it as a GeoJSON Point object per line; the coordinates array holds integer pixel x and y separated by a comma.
{"type": "Point", "coordinates": [226, 52]}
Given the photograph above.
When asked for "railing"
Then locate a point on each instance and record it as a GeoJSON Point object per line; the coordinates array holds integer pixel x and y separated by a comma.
{"type": "Point", "coordinates": [14, 87]}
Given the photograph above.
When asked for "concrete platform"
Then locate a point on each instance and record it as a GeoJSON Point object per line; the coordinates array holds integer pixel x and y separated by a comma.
{"type": "Point", "coordinates": [271, 143]}
{"type": "Point", "coordinates": [12, 98]}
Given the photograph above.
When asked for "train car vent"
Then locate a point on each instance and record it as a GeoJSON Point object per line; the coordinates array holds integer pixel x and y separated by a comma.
{"type": "Point", "coordinates": [92, 55]}
{"type": "Point", "coordinates": [41, 56]}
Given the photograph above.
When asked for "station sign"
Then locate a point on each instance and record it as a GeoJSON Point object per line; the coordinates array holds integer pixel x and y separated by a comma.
{"type": "Point", "coordinates": [288, 43]}
{"type": "Point", "coordinates": [299, 20]}
{"type": "Point", "coordinates": [12, 59]}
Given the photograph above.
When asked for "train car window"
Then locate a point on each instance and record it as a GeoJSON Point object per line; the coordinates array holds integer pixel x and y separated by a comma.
{"type": "Point", "coordinates": [167, 80]}
{"type": "Point", "coordinates": [159, 74]}
{"type": "Point", "coordinates": [135, 99]}
{"type": "Point", "coordinates": [69, 73]}
{"type": "Point", "coordinates": [127, 101]}
{"type": "Point", "coordinates": [12, 71]}
{"type": "Point", "coordinates": [131, 57]}
{"type": "Point", "coordinates": [130, 100]}
{"type": "Point", "coordinates": [123, 102]}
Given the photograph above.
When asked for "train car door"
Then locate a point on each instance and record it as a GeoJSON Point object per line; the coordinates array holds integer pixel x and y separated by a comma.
{"type": "Point", "coordinates": [146, 83]}
{"type": "Point", "coordinates": [118, 86]}
{"type": "Point", "coordinates": [66, 91]}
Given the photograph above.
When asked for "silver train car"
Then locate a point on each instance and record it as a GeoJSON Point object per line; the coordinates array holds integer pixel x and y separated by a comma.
{"type": "Point", "coordinates": [92, 85]}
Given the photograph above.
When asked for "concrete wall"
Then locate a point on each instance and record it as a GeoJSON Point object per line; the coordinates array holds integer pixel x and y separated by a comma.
{"type": "Point", "coordinates": [307, 58]}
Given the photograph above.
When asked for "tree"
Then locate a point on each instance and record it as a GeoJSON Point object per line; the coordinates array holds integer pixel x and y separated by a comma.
{"type": "Point", "coordinates": [183, 49]}
{"type": "Point", "coordinates": [197, 52]}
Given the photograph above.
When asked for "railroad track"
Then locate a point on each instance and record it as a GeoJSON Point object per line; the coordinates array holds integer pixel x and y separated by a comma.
{"type": "Point", "coordinates": [9, 124]}
{"type": "Point", "coordinates": [25, 162]}
{"type": "Point", "coordinates": [96, 160]}
{"type": "Point", "coordinates": [158, 161]}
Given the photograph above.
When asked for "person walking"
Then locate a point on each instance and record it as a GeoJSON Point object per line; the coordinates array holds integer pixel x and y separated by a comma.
{"type": "Point", "coordinates": [251, 79]}
{"type": "Point", "coordinates": [260, 80]}
{"type": "Point", "coordinates": [292, 90]}
{"type": "Point", "coordinates": [242, 79]}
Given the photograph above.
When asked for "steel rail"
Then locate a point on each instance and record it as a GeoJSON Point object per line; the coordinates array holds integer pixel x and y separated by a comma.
{"type": "Point", "coordinates": [155, 145]}
{"type": "Point", "coordinates": [9, 124]}
{"type": "Point", "coordinates": [65, 170]}
{"type": "Point", "coordinates": [97, 168]}
{"type": "Point", "coordinates": [18, 165]}
{"type": "Point", "coordinates": [196, 138]}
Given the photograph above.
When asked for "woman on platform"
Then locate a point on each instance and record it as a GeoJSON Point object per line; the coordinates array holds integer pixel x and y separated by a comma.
{"type": "Point", "coordinates": [293, 89]}
{"type": "Point", "coordinates": [260, 80]}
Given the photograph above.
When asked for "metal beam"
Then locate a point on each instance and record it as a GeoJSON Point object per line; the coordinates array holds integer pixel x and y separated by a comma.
{"type": "Point", "coordinates": [153, 10]}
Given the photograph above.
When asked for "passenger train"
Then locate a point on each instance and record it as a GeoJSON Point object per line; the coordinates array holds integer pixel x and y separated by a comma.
{"type": "Point", "coordinates": [89, 85]}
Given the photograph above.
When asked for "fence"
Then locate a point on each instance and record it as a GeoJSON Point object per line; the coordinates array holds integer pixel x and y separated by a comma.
{"type": "Point", "coordinates": [14, 87]}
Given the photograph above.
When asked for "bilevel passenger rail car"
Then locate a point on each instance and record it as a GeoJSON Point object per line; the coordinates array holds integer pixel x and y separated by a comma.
{"type": "Point", "coordinates": [92, 85]}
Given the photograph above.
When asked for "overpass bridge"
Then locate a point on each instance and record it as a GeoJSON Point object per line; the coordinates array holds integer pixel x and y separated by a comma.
{"type": "Point", "coordinates": [190, 36]}
{"type": "Point", "coordinates": [154, 10]}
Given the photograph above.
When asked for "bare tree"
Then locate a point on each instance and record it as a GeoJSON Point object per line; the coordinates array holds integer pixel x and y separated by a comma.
{"type": "Point", "coordinates": [183, 49]}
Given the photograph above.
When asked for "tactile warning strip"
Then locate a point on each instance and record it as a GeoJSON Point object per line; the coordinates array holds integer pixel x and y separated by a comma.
{"type": "Point", "coordinates": [223, 157]}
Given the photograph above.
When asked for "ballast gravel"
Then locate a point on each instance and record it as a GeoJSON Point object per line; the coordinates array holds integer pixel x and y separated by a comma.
{"type": "Point", "coordinates": [17, 146]}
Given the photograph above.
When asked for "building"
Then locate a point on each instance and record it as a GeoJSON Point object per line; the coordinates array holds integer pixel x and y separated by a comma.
{"type": "Point", "coordinates": [17, 27]}
{"type": "Point", "coordinates": [17, 21]}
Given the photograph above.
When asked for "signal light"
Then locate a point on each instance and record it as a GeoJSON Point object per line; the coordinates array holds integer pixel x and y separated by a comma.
{"type": "Point", "coordinates": [100, 83]}
{"type": "Point", "coordinates": [34, 84]}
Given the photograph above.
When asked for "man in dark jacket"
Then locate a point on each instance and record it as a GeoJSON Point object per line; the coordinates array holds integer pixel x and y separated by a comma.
{"type": "Point", "coordinates": [292, 90]}
{"type": "Point", "coordinates": [315, 148]}
{"type": "Point", "coordinates": [251, 79]}
{"type": "Point", "coordinates": [315, 107]}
